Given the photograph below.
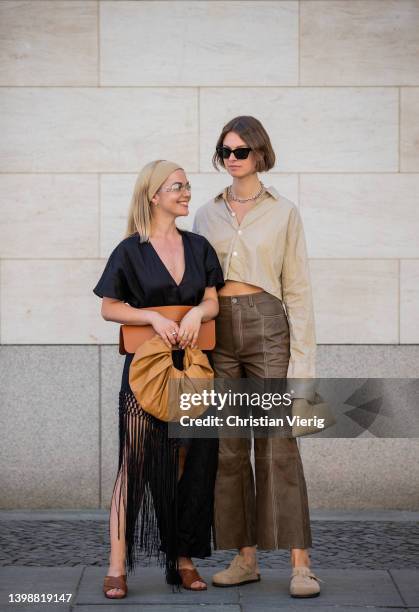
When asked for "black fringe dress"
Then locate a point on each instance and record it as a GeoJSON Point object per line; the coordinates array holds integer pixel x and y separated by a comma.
{"type": "Point", "coordinates": [164, 516]}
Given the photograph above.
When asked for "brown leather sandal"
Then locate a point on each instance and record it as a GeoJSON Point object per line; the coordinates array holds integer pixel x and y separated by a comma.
{"type": "Point", "coordinates": [115, 582]}
{"type": "Point", "coordinates": [189, 576]}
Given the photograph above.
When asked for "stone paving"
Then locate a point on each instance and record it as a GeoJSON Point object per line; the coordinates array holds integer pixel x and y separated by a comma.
{"type": "Point", "coordinates": [342, 544]}
{"type": "Point", "coordinates": [342, 590]}
{"type": "Point", "coordinates": [364, 564]}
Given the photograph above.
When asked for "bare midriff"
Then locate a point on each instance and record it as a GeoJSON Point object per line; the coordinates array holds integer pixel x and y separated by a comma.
{"type": "Point", "coordinates": [238, 288]}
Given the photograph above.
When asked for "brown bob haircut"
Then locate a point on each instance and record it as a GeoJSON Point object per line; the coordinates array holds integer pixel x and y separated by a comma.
{"type": "Point", "coordinates": [254, 135]}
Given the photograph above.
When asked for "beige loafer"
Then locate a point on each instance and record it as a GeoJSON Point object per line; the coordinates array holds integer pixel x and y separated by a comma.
{"type": "Point", "coordinates": [236, 574]}
{"type": "Point", "coordinates": [304, 583]}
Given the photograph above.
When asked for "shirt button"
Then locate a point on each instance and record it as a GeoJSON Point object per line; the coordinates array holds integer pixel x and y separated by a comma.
{"type": "Point", "coordinates": [233, 214]}
{"type": "Point", "coordinates": [234, 253]}
{"type": "Point", "coordinates": [234, 300]}
{"type": "Point", "coordinates": [240, 232]}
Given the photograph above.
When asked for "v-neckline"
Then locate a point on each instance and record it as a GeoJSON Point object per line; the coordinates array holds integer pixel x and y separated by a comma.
{"type": "Point", "coordinates": [164, 265]}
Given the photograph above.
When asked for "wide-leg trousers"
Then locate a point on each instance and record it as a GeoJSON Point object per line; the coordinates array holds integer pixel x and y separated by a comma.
{"type": "Point", "coordinates": [268, 508]}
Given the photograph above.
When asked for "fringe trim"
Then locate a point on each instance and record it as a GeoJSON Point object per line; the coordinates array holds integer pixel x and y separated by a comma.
{"type": "Point", "coordinates": [147, 478]}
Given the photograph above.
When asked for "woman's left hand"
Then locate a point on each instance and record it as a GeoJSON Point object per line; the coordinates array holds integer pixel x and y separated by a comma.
{"type": "Point", "coordinates": [189, 328]}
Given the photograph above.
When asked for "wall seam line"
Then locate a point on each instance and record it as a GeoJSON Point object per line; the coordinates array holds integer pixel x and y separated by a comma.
{"type": "Point", "coordinates": [199, 129]}
{"type": "Point", "coordinates": [299, 44]}
{"type": "Point", "coordinates": [100, 422]}
{"type": "Point", "coordinates": [99, 210]}
{"type": "Point", "coordinates": [399, 300]}
{"type": "Point", "coordinates": [256, 86]}
{"type": "Point", "coordinates": [400, 125]}
{"type": "Point", "coordinates": [1, 296]}
{"type": "Point", "coordinates": [282, 174]}
{"type": "Point", "coordinates": [98, 42]}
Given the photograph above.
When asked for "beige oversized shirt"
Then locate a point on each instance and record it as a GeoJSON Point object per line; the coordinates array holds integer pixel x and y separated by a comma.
{"type": "Point", "coordinates": [267, 249]}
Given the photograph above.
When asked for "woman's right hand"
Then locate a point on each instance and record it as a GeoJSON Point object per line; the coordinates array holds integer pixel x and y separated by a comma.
{"type": "Point", "coordinates": [165, 328]}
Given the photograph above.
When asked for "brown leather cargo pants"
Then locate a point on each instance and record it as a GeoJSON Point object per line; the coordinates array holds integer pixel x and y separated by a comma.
{"type": "Point", "coordinates": [253, 341]}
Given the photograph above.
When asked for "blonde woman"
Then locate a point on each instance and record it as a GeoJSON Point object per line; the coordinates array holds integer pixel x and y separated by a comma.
{"type": "Point", "coordinates": [163, 495]}
{"type": "Point", "coordinates": [265, 329]}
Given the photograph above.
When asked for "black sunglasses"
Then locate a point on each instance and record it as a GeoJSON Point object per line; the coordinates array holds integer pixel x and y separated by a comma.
{"type": "Point", "coordinates": [239, 153]}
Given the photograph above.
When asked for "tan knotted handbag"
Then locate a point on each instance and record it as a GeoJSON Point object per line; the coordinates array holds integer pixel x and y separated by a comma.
{"type": "Point", "coordinates": [158, 385]}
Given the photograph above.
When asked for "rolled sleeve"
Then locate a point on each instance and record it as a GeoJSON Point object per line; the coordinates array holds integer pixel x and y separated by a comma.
{"type": "Point", "coordinates": [297, 297]}
{"type": "Point", "coordinates": [214, 273]}
{"type": "Point", "coordinates": [113, 282]}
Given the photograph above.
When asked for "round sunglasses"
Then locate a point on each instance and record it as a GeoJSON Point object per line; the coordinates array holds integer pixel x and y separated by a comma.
{"type": "Point", "coordinates": [239, 153]}
{"type": "Point", "coordinates": [177, 187]}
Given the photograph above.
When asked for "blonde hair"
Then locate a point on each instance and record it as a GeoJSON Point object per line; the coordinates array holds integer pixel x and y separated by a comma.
{"type": "Point", "coordinates": [139, 213]}
{"type": "Point", "coordinates": [148, 182]}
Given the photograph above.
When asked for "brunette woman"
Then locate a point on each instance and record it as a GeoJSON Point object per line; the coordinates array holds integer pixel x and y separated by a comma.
{"type": "Point", "coordinates": [265, 329]}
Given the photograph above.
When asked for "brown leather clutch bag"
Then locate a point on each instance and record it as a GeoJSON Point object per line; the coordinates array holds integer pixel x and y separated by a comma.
{"type": "Point", "coordinates": [132, 336]}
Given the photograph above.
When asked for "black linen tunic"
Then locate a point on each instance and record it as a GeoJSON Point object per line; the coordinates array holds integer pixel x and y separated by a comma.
{"type": "Point", "coordinates": [148, 460]}
{"type": "Point", "coordinates": [135, 274]}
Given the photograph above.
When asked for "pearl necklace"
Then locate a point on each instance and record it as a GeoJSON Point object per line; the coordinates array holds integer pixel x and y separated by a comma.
{"type": "Point", "coordinates": [232, 196]}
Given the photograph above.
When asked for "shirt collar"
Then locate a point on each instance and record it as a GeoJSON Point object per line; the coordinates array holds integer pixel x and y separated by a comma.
{"type": "Point", "coordinates": [222, 195]}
